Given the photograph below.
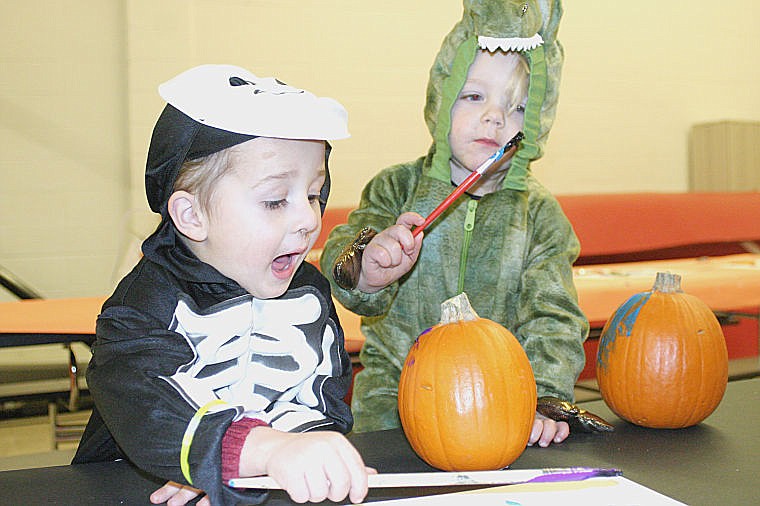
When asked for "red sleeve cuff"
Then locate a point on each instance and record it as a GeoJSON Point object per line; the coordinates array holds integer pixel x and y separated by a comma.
{"type": "Point", "coordinates": [232, 445]}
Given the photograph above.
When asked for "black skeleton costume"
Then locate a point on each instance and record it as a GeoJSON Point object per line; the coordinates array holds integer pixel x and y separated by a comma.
{"type": "Point", "coordinates": [183, 351]}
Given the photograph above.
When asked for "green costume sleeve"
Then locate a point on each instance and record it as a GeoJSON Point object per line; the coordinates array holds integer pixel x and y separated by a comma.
{"type": "Point", "coordinates": [385, 197]}
{"type": "Point", "coordinates": [383, 200]}
{"type": "Point", "coordinates": [548, 321]}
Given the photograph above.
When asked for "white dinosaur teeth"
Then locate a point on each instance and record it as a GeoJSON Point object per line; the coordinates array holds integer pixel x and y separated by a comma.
{"type": "Point", "coordinates": [510, 43]}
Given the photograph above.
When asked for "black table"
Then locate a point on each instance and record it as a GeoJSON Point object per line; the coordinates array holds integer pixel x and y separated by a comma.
{"type": "Point", "coordinates": [716, 462]}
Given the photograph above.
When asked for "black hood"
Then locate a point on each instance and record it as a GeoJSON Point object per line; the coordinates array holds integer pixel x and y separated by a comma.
{"type": "Point", "coordinates": [178, 138]}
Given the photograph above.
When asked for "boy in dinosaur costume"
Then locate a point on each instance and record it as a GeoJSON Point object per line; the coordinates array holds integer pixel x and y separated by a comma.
{"type": "Point", "coordinates": [507, 243]}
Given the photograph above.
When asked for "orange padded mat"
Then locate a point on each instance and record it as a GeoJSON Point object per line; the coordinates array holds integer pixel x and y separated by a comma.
{"type": "Point", "coordinates": [723, 283]}
{"type": "Point", "coordinates": [77, 316]}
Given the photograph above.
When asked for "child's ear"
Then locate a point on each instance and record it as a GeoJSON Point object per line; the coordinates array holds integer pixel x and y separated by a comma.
{"type": "Point", "coordinates": [187, 216]}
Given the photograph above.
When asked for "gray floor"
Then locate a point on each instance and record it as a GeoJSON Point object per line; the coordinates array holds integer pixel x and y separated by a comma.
{"type": "Point", "coordinates": [50, 436]}
{"type": "Point", "coordinates": [31, 442]}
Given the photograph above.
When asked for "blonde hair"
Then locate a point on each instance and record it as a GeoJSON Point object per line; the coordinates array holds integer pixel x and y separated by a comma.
{"type": "Point", "coordinates": [199, 176]}
{"type": "Point", "coordinates": [520, 82]}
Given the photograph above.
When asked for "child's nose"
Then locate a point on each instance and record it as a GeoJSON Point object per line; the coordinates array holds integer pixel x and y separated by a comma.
{"type": "Point", "coordinates": [494, 115]}
{"type": "Point", "coordinates": [309, 217]}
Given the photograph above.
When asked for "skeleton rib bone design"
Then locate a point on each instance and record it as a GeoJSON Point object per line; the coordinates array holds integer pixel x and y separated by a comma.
{"type": "Point", "coordinates": [266, 358]}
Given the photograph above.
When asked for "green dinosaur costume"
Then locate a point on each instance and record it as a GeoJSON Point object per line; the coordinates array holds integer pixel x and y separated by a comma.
{"type": "Point", "coordinates": [511, 251]}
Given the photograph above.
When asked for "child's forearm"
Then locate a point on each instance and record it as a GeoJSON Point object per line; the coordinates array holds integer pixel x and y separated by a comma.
{"type": "Point", "coordinates": [258, 448]}
{"type": "Point", "coordinates": [234, 447]}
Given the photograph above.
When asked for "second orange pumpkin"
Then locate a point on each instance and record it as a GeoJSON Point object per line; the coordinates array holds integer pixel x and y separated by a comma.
{"type": "Point", "coordinates": [662, 359]}
{"type": "Point", "coordinates": [467, 395]}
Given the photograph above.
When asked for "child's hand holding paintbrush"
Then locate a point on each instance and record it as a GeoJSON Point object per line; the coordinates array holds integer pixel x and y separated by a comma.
{"type": "Point", "coordinates": [469, 181]}
{"type": "Point", "coordinates": [392, 252]}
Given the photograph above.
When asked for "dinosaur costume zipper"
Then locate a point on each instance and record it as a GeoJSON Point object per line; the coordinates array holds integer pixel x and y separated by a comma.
{"type": "Point", "coordinates": [469, 225]}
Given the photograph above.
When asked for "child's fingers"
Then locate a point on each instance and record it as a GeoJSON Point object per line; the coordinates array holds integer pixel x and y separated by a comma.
{"type": "Point", "coordinates": [174, 494]}
{"type": "Point", "coordinates": [535, 431]}
{"type": "Point", "coordinates": [164, 493]}
{"type": "Point", "coordinates": [405, 240]}
{"type": "Point", "coordinates": [386, 249]}
{"type": "Point", "coordinates": [563, 430]}
{"type": "Point", "coordinates": [317, 481]}
{"type": "Point", "coordinates": [378, 254]}
{"type": "Point", "coordinates": [294, 482]}
{"type": "Point", "coordinates": [338, 478]}
{"type": "Point", "coordinates": [410, 219]}
{"type": "Point", "coordinates": [547, 431]}
{"type": "Point", "coordinates": [357, 471]}
{"type": "Point", "coordinates": [184, 496]}
{"type": "Point", "coordinates": [341, 473]}
{"type": "Point", "coordinates": [547, 435]}
{"type": "Point", "coordinates": [298, 491]}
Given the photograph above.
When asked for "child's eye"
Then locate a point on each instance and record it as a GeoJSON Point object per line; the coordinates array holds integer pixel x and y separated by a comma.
{"type": "Point", "coordinates": [520, 108]}
{"type": "Point", "coordinates": [314, 198]}
{"type": "Point", "coordinates": [470, 97]}
{"type": "Point", "coordinates": [275, 204]}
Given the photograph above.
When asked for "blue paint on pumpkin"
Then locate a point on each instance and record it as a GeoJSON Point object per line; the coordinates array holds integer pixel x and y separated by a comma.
{"type": "Point", "coordinates": [620, 325]}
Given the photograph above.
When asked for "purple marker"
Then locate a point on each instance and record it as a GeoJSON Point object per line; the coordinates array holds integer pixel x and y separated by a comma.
{"type": "Point", "coordinates": [578, 474]}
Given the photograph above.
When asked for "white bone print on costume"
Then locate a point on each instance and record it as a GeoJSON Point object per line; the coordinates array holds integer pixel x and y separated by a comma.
{"type": "Point", "coordinates": [255, 355]}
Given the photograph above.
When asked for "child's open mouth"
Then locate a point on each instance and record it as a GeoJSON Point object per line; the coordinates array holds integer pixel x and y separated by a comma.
{"type": "Point", "coordinates": [284, 265]}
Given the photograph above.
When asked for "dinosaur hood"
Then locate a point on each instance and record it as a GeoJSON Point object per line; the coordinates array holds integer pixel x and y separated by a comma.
{"type": "Point", "coordinates": [529, 27]}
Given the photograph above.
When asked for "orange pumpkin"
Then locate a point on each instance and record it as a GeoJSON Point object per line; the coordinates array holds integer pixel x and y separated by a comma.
{"type": "Point", "coordinates": [467, 395]}
{"type": "Point", "coordinates": [662, 359]}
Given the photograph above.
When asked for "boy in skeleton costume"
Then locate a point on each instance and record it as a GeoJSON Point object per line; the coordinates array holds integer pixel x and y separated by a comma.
{"type": "Point", "coordinates": [220, 354]}
{"type": "Point", "coordinates": [506, 243]}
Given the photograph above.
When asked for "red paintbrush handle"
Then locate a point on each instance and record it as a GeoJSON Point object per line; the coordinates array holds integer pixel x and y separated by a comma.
{"type": "Point", "coordinates": [459, 190]}
{"type": "Point", "coordinates": [469, 181]}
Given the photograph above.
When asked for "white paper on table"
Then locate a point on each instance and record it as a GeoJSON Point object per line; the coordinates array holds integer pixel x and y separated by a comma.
{"type": "Point", "coordinates": [615, 491]}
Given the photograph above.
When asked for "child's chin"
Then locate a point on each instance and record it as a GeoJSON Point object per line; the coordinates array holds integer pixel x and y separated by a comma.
{"type": "Point", "coordinates": [271, 289]}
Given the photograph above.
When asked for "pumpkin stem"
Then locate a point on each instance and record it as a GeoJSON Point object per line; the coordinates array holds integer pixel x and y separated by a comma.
{"type": "Point", "coordinates": [667, 282]}
{"type": "Point", "coordinates": [457, 309]}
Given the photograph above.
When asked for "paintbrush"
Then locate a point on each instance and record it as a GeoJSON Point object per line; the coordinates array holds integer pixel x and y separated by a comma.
{"type": "Point", "coordinates": [468, 182]}
{"type": "Point", "coordinates": [440, 479]}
